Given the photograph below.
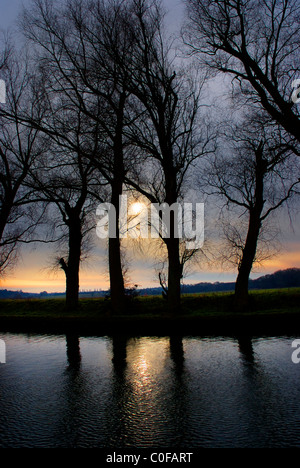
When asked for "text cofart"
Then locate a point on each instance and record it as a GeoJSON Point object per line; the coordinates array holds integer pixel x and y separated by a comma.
{"type": "Point", "coordinates": [155, 457]}
{"type": "Point", "coordinates": [171, 457]}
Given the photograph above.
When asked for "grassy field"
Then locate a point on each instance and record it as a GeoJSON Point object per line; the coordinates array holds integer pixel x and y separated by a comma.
{"type": "Point", "coordinates": [193, 305]}
{"type": "Point", "coordinates": [272, 311]}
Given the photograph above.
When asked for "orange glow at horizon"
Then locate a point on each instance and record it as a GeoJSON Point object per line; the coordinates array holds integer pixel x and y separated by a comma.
{"type": "Point", "coordinates": [27, 282]}
{"type": "Point", "coordinates": [282, 262]}
{"type": "Point", "coordinates": [33, 279]}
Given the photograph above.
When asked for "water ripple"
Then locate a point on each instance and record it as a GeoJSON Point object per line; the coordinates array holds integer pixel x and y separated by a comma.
{"type": "Point", "coordinates": [72, 392]}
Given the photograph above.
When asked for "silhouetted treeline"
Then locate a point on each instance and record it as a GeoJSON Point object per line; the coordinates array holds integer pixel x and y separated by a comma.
{"type": "Point", "coordinates": [289, 278]}
{"type": "Point", "coordinates": [100, 106]}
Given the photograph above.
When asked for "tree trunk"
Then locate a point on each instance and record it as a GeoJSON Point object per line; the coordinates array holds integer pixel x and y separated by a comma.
{"type": "Point", "coordinates": [117, 290]}
{"type": "Point", "coordinates": [172, 242]}
{"type": "Point", "coordinates": [4, 216]}
{"type": "Point", "coordinates": [241, 300]}
{"type": "Point", "coordinates": [71, 269]}
{"type": "Point", "coordinates": [242, 283]}
{"type": "Point", "coordinates": [174, 276]}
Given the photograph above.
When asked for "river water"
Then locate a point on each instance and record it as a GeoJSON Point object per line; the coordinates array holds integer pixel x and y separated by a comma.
{"type": "Point", "coordinates": [125, 392]}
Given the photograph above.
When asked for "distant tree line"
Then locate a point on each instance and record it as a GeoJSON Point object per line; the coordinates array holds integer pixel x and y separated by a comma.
{"type": "Point", "coordinates": [289, 278]}
{"type": "Point", "coordinates": [100, 102]}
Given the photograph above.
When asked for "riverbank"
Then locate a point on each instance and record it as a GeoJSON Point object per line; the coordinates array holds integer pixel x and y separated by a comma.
{"type": "Point", "coordinates": [272, 312]}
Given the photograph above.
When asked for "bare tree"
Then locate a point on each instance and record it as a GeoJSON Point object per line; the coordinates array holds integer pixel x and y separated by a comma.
{"type": "Point", "coordinates": [20, 150]}
{"type": "Point", "coordinates": [111, 62]}
{"type": "Point", "coordinates": [167, 132]}
{"type": "Point", "coordinates": [52, 146]}
{"type": "Point", "coordinates": [186, 258]}
{"type": "Point", "coordinates": [255, 42]}
{"type": "Point", "coordinates": [255, 173]}
{"type": "Point", "coordinates": [67, 179]}
{"type": "Point", "coordinates": [68, 189]}
{"type": "Point", "coordinates": [77, 41]}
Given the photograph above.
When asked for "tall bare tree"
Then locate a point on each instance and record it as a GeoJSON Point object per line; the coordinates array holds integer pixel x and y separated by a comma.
{"type": "Point", "coordinates": [168, 131]}
{"type": "Point", "coordinates": [256, 42]}
{"type": "Point", "coordinates": [21, 148]}
{"type": "Point", "coordinates": [67, 181]}
{"type": "Point", "coordinates": [255, 173]}
{"type": "Point", "coordinates": [67, 178]}
{"type": "Point", "coordinates": [76, 43]}
{"type": "Point", "coordinates": [53, 145]}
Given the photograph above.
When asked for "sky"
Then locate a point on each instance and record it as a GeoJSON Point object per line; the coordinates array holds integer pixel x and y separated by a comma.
{"type": "Point", "coordinates": [33, 273]}
{"type": "Point", "coordinates": [9, 10]}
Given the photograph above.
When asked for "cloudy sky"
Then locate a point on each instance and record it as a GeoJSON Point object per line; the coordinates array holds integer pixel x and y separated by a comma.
{"type": "Point", "coordinates": [9, 10]}
{"type": "Point", "coordinates": [33, 273]}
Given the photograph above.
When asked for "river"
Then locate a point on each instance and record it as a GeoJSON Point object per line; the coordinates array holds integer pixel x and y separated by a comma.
{"type": "Point", "coordinates": [142, 392]}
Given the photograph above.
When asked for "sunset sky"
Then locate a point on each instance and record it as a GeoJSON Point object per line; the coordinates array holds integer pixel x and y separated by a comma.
{"type": "Point", "coordinates": [33, 273]}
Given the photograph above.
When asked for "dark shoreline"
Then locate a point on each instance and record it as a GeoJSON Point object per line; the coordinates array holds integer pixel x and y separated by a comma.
{"type": "Point", "coordinates": [272, 312]}
{"type": "Point", "coordinates": [271, 324]}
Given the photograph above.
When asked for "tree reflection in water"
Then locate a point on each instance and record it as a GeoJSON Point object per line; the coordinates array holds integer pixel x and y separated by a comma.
{"type": "Point", "coordinates": [73, 352]}
{"type": "Point", "coordinates": [177, 353]}
{"type": "Point", "coordinates": [246, 349]}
